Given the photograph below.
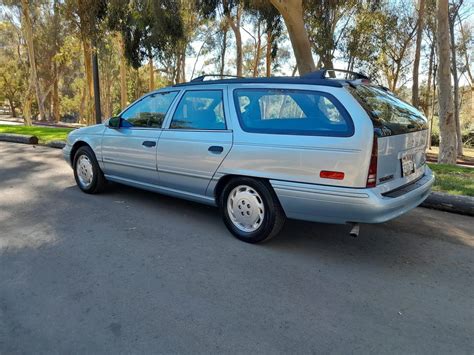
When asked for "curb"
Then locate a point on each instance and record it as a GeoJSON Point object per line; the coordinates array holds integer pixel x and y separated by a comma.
{"type": "Point", "coordinates": [450, 203]}
{"type": "Point", "coordinates": [56, 144]}
{"type": "Point", "coordinates": [18, 138]}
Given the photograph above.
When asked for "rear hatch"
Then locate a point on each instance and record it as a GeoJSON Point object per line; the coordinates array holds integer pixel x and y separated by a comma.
{"type": "Point", "coordinates": [401, 134]}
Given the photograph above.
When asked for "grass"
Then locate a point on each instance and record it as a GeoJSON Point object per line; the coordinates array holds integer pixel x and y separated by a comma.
{"type": "Point", "coordinates": [44, 134]}
{"type": "Point", "coordinates": [454, 180]}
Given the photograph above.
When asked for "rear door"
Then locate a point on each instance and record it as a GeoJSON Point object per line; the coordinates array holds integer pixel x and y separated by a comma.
{"type": "Point", "coordinates": [402, 134]}
{"type": "Point", "coordinates": [129, 152]}
{"type": "Point", "coordinates": [195, 143]}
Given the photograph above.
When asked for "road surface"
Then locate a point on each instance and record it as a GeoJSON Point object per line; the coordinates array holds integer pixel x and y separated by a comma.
{"type": "Point", "coordinates": [132, 271]}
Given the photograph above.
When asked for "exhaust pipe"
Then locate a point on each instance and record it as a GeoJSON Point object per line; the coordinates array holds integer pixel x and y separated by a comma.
{"type": "Point", "coordinates": [355, 230]}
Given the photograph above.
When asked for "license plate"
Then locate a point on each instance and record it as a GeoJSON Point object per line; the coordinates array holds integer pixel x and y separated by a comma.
{"type": "Point", "coordinates": [408, 165]}
{"type": "Point", "coordinates": [412, 162]}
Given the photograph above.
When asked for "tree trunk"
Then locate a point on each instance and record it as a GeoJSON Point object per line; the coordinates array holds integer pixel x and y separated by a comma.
{"type": "Point", "coordinates": [28, 30]}
{"type": "Point", "coordinates": [427, 100]}
{"type": "Point", "coordinates": [447, 124]}
{"type": "Point", "coordinates": [12, 107]}
{"type": "Point", "coordinates": [257, 51]}
{"type": "Point", "coordinates": [183, 64]}
{"type": "Point", "coordinates": [416, 64]}
{"type": "Point", "coordinates": [268, 54]}
{"type": "Point", "coordinates": [55, 99]}
{"type": "Point", "coordinates": [123, 75]}
{"type": "Point", "coordinates": [454, 71]}
{"type": "Point", "coordinates": [224, 49]}
{"type": "Point", "coordinates": [292, 12]}
{"type": "Point", "coordinates": [87, 49]}
{"type": "Point", "coordinates": [151, 73]}
{"type": "Point", "coordinates": [235, 25]}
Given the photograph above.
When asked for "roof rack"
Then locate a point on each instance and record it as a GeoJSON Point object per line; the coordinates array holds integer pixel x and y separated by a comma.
{"type": "Point", "coordinates": [202, 77]}
{"type": "Point", "coordinates": [321, 74]}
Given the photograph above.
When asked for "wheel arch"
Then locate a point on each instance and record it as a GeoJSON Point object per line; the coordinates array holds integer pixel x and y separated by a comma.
{"type": "Point", "coordinates": [224, 180]}
{"type": "Point", "coordinates": [76, 147]}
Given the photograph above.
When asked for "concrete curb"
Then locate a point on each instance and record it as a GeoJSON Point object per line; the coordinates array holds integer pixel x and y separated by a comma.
{"type": "Point", "coordinates": [450, 203]}
{"type": "Point", "coordinates": [18, 138]}
{"type": "Point", "coordinates": [56, 144]}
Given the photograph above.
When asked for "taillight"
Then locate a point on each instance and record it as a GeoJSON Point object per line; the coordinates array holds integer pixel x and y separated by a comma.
{"type": "Point", "coordinates": [372, 176]}
{"type": "Point", "coordinates": [336, 175]}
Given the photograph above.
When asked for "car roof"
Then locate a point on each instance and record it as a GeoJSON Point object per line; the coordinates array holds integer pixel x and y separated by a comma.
{"type": "Point", "coordinates": [271, 80]}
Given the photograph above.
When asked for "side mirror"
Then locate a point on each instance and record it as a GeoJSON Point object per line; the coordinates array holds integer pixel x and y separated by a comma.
{"type": "Point", "coordinates": [114, 122]}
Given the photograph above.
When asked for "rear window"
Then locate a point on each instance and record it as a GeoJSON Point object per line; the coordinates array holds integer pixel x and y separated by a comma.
{"type": "Point", "coordinates": [390, 115]}
{"type": "Point", "coordinates": [282, 111]}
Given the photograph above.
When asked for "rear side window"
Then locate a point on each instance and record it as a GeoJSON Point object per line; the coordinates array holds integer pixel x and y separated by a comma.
{"type": "Point", "coordinates": [150, 111]}
{"type": "Point", "coordinates": [291, 112]}
{"type": "Point", "coordinates": [390, 115]}
{"type": "Point", "coordinates": [200, 109]}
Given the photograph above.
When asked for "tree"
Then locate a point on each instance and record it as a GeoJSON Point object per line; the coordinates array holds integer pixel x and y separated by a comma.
{"type": "Point", "coordinates": [416, 63]}
{"type": "Point", "coordinates": [453, 14]}
{"type": "Point", "coordinates": [447, 124]}
{"type": "Point", "coordinates": [34, 81]}
{"type": "Point", "coordinates": [292, 12]}
{"type": "Point", "coordinates": [232, 10]}
{"type": "Point", "coordinates": [86, 16]}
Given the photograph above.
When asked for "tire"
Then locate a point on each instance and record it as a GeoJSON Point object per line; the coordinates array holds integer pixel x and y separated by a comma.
{"type": "Point", "coordinates": [251, 210]}
{"type": "Point", "coordinates": [85, 163]}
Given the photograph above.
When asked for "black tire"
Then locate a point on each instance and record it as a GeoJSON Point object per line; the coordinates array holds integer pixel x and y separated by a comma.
{"type": "Point", "coordinates": [98, 180]}
{"type": "Point", "coordinates": [274, 216]}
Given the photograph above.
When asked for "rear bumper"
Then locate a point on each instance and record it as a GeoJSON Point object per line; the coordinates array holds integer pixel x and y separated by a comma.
{"type": "Point", "coordinates": [330, 204]}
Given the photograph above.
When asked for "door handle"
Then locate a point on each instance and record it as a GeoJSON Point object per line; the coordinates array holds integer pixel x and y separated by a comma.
{"type": "Point", "coordinates": [216, 149]}
{"type": "Point", "coordinates": [149, 144]}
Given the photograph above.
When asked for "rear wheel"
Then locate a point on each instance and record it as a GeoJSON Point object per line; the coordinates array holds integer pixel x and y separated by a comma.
{"type": "Point", "coordinates": [251, 210]}
{"type": "Point", "coordinates": [88, 175]}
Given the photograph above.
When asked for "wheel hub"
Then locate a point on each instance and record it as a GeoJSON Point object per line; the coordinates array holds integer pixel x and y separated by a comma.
{"type": "Point", "coordinates": [84, 170]}
{"type": "Point", "coordinates": [245, 208]}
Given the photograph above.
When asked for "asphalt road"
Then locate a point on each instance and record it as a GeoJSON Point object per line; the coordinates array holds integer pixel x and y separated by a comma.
{"type": "Point", "coordinates": [131, 271]}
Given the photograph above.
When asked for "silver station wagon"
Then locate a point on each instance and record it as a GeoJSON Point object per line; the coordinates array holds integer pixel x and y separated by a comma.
{"type": "Point", "coordinates": [314, 148]}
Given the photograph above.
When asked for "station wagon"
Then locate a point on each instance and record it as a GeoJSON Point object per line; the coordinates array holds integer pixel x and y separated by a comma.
{"type": "Point", "coordinates": [314, 148]}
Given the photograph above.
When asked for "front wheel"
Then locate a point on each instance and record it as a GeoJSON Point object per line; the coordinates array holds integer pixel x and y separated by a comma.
{"type": "Point", "coordinates": [251, 210]}
{"type": "Point", "coordinates": [88, 175]}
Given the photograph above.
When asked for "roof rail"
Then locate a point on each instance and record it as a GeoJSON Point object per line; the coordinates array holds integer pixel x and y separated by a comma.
{"type": "Point", "coordinates": [321, 74]}
{"type": "Point", "coordinates": [202, 77]}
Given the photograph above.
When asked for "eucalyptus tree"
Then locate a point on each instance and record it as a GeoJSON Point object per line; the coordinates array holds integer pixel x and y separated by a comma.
{"type": "Point", "coordinates": [149, 29]}
{"type": "Point", "coordinates": [447, 124]}
{"type": "Point", "coordinates": [85, 16]}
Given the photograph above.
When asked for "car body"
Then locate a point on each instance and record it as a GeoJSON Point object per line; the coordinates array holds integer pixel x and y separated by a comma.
{"type": "Point", "coordinates": [363, 162]}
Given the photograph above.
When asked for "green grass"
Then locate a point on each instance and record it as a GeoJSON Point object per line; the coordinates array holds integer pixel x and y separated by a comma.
{"type": "Point", "coordinates": [453, 180]}
{"type": "Point", "coordinates": [44, 134]}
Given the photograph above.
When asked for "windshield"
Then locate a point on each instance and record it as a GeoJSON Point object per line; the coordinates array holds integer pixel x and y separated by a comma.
{"type": "Point", "coordinates": [390, 115]}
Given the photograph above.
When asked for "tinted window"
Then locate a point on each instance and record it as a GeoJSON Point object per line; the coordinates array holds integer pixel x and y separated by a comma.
{"type": "Point", "coordinates": [291, 112]}
{"type": "Point", "coordinates": [200, 110]}
{"type": "Point", "coordinates": [150, 111]}
{"type": "Point", "coordinates": [389, 114]}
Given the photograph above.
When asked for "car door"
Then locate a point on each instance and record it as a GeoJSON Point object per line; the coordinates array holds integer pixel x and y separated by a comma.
{"type": "Point", "coordinates": [129, 151]}
{"type": "Point", "coordinates": [195, 143]}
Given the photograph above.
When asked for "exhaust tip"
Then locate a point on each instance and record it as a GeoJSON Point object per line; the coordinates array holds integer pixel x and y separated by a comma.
{"type": "Point", "coordinates": [354, 233]}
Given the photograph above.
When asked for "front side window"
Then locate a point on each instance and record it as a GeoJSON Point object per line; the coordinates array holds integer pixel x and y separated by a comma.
{"type": "Point", "coordinates": [283, 111]}
{"type": "Point", "coordinates": [149, 112]}
{"type": "Point", "coordinates": [200, 109]}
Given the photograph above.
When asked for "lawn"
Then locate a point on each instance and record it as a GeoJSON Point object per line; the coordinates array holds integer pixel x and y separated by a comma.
{"type": "Point", "coordinates": [453, 180]}
{"type": "Point", "coordinates": [44, 134]}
